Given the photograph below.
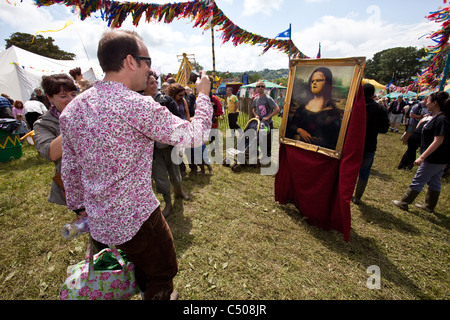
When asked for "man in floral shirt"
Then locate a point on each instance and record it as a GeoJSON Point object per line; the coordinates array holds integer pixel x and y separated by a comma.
{"type": "Point", "coordinates": [108, 141]}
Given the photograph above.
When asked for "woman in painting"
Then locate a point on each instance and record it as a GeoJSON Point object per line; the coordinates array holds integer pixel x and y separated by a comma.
{"type": "Point", "coordinates": [317, 121]}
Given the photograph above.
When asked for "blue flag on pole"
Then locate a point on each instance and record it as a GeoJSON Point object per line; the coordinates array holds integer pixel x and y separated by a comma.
{"type": "Point", "coordinates": [285, 34]}
{"type": "Point", "coordinates": [387, 87]}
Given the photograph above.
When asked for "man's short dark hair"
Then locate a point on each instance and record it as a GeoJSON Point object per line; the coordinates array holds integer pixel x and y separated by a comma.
{"type": "Point", "coordinates": [115, 46]}
{"type": "Point", "coordinates": [369, 90]}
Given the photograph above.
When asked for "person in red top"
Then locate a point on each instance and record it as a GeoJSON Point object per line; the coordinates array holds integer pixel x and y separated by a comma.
{"type": "Point", "coordinates": [217, 106]}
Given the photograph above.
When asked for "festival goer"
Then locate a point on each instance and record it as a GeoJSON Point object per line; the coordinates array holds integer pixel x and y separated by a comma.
{"type": "Point", "coordinates": [33, 109]}
{"type": "Point", "coordinates": [108, 142]}
{"type": "Point", "coordinates": [23, 128]}
{"type": "Point", "coordinates": [217, 106]}
{"type": "Point", "coordinates": [233, 109]}
{"type": "Point", "coordinates": [280, 101]}
{"type": "Point", "coordinates": [165, 88]}
{"type": "Point", "coordinates": [317, 120]}
{"type": "Point", "coordinates": [435, 155]}
{"type": "Point", "coordinates": [264, 108]}
{"type": "Point", "coordinates": [171, 80]}
{"type": "Point", "coordinates": [177, 92]}
{"type": "Point", "coordinates": [11, 101]}
{"type": "Point", "coordinates": [5, 108]}
{"type": "Point", "coordinates": [395, 110]}
{"type": "Point", "coordinates": [418, 111]}
{"type": "Point", "coordinates": [60, 90]}
{"type": "Point", "coordinates": [82, 83]}
{"type": "Point", "coordinates": [377, 121]}
{"type": "Point", "coordinates": [190, 99]}
{"type": "Point", "coordinates": [414, 140]}
{"type": "Point", "coordinates": [163, 166]}
{"type": "Point", "coordinates": [40, 96]}
{"type": "Point", "coordinates": [17, 108]}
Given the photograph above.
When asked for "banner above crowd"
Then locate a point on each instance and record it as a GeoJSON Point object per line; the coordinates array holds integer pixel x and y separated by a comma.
{"type": "Point", "coordinates": [204, 13]}
{"type": "Point", "coordinates": [436, 53]}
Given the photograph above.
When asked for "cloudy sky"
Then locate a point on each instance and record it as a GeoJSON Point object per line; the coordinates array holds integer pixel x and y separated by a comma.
{"type": "Point", "coordinates": [345, 28]}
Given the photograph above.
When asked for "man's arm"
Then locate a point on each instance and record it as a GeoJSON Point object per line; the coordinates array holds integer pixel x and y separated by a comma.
{"type": "Point", "coordinates": [237, 105]}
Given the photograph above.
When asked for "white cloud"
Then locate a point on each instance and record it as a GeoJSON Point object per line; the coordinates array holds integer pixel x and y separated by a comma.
{"type": "Point", "coordinates": [252, 7]}
{"type": "Point", "coordinates": [347, 37]}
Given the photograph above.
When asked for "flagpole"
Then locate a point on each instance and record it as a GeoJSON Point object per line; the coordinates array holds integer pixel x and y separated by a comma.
{"type": "Point", "coordinates": [214, 59]}
{"type": "Point", "coordinates": [290, 45]}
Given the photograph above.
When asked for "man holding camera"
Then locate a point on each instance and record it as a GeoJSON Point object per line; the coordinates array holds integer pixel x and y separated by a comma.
{"type": "Point", "coordinates": [108, 137]}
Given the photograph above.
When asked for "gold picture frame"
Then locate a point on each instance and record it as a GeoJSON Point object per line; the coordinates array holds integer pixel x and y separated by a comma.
{"type": "Point", "coordinates": [319, 103]}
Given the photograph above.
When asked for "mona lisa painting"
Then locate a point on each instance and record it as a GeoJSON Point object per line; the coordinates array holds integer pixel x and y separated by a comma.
{"type": "Point", "coordinates": [319, 102]}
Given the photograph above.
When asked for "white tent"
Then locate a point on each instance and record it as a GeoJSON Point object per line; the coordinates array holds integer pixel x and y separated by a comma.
{"type": "Point", "coordinates": [21, 71]}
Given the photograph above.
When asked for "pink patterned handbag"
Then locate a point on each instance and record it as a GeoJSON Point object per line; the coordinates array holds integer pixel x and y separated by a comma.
{"type": "Point", "coordinates": [85, 283]}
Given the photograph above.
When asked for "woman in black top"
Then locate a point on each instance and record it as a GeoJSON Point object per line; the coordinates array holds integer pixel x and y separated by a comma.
{"type": "Point", "coordinates": [435, 148]}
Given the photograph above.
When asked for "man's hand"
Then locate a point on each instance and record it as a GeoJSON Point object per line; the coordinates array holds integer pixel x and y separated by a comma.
{"type": "Point", "coordinates": [203, 84]}
{"type": "Point", "coordinates": [81, 215]}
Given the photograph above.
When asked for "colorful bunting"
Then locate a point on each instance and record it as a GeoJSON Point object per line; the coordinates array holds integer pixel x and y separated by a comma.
{"type": "Point", "coordinates": [204, 14]}
{"type": "Point", "coordinates": [436, 53]}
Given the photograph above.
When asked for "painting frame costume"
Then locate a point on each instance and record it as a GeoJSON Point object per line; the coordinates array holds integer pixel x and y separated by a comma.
{"type": "Point", "coordinates": [319, 102]}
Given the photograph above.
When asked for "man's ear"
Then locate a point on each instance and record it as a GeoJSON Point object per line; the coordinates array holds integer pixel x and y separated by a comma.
{"type": "Point", "coordinates": [130, 63]}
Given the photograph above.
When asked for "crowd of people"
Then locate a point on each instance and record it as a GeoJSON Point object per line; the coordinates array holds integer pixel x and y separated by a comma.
{"type": "Point", "coordinates": [427, 128]}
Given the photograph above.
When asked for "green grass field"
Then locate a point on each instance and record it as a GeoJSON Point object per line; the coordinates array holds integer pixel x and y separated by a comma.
{"type": "Point", "coordinates": [234, 241]}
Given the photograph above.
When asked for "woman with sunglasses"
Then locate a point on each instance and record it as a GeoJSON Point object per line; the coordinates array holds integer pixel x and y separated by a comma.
{"type": "Point", "coordinates": [264, 108]}
{"type": "Point", "coordinates": [317, 120]}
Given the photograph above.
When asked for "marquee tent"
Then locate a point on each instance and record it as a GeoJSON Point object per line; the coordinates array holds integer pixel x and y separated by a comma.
{"type": "Point", "coordinates": [376, 84]}
{"type": "Point", "coordinates": [21, 71]}
{"type": "Point", "coordinates": [247, 91]}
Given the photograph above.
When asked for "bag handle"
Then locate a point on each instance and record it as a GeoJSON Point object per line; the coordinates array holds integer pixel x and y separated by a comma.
{"type": "Point", "coordinates": [90, 257]}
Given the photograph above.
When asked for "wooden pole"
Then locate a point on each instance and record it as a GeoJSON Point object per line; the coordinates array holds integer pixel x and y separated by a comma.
{"type": "Point", "coordinates": [290, 45]}
{"type": "Point", "coordinates": [214, 60]}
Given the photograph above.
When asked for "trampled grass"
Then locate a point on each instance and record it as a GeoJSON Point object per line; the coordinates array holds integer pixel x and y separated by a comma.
{"type": "Point", "coordinates": [234, 241]}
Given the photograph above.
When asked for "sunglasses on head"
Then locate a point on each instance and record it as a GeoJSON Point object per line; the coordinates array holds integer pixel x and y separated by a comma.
{"type": "Point", "coordinates": [260, 86]}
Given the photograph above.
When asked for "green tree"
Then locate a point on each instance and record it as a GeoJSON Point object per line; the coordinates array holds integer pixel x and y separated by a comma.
{"type": "Point", "coordinates": [40, 45]}
{"type": "Point", "coordinates": [282, 81]}
{"type": "Point", "coordinates": [399, 64]}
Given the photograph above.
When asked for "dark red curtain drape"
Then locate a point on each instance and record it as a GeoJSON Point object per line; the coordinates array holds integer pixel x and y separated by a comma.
{"type": "Point", "coordinates": [320, 186]}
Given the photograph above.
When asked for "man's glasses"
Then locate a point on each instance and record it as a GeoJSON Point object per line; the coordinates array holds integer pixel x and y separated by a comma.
{"type": "Point", "coordinates": [147, 60]}
{"type": "Point", "coordinates": [260, 86]}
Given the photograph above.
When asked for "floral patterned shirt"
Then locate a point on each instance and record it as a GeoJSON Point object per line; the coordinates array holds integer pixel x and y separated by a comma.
{"type": "Point", "coordinates": [108, 141]}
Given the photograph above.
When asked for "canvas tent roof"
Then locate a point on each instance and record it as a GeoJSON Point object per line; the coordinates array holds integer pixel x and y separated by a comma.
{"type": "Point", "coordinates": [21, 71]}
{"type": "Point", "coordinates": [376, 84]}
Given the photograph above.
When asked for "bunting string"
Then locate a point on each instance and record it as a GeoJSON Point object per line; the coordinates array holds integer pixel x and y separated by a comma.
{"type": "Point", "coordinates": [435, 54]}
{"type": "Point", "coordinates": [204, 14]}
{"type": "Point", "coordinates": [428, 79]}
